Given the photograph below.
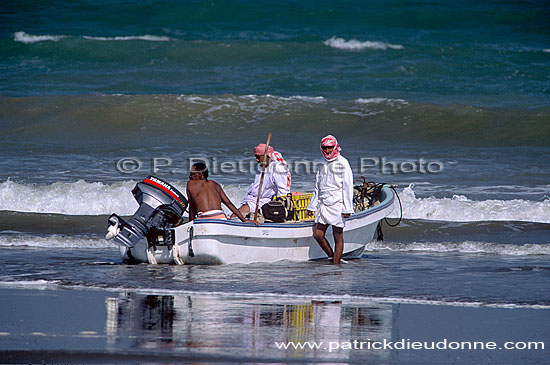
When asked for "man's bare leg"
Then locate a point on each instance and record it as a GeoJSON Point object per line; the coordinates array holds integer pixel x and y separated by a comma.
{"type": "Point", "coordinates": [319, 235]}
{"type": "Point", "coordinates": [338, 234]}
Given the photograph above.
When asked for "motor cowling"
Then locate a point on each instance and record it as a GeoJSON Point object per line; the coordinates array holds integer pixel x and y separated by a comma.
{"type": "Point", "coordinates": [161, 207]}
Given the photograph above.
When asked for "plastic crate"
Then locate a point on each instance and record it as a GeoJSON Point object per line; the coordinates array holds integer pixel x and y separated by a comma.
{"type": "Point", "coordinates": [301, 201]}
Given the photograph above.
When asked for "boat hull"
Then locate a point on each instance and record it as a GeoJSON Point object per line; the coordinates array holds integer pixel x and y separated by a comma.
{"type": "Point", "coordinates": [214, 241]}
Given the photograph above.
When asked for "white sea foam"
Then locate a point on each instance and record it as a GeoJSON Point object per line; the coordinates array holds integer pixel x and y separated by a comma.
{"type": "Point", "coordinates": [96, 198]}
{"type": "Point", "coordinates": [462, 247]}
{"type": "Point", "coordinates": [345, 298]}
{"type": "Point", "coordinates": [309, 99]}
{"type": "Point", "coordinates": [29, 38]}
{"type": "Point", "coordinates": [355, 45]}
{"type": "Point", "coordinates": [53, 241]}
{"type": "Point", "coordinates": [263, 298]}
{"type": "Point", "coordinates": [252, 98]}
{"type": "Point", "coordinates": [469, 247]}
{"type": "Point", "coordinates": [250, 108]}
{"type": "Point", "coordinates": [459, 208]}
{"type": "Point", "coordinates": [30, 284]}
{"type": "Point", "coordinates": [77, 198]}
{"type": "Point", "coordinates": [146, 37]}
{"type": "Point", "coordinates": [381, 101]}
{"type": "Point", "coordinates": [194, 99]}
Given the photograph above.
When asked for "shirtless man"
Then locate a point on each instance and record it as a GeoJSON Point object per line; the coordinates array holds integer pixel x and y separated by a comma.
{"type": "Point", "coordinates": [205, 196]}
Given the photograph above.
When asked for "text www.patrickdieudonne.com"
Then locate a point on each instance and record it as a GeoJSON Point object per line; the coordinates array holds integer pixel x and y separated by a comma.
{"type": "Point", "coordinates": [406, 344]}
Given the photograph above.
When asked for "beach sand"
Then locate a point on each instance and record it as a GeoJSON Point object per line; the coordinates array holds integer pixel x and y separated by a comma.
{"type": "Point", "coordinates": [93, 326]}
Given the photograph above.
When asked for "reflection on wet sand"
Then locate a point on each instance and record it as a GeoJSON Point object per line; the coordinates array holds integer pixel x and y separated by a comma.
{"type": "Point", "coordinates": [237, 327]}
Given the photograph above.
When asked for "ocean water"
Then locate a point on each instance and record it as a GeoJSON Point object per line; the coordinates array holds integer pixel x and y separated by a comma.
{"type": "Point", "coordinates": [451, 101]}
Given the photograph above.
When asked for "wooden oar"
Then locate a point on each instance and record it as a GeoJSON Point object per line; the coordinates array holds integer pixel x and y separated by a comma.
{"type": "Point", "coordinates": [262, 178]}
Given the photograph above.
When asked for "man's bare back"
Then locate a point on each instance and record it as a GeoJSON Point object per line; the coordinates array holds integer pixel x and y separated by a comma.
{"type": "Point", "coordinates": [205, 195]}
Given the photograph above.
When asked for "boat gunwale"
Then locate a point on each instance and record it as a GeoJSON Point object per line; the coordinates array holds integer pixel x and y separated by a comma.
{"type": "Point", "coordinates": [388, 201]}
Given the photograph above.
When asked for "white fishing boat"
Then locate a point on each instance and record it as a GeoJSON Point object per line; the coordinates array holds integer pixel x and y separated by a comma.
{"type": "Point", "coordinates": [216, 241]}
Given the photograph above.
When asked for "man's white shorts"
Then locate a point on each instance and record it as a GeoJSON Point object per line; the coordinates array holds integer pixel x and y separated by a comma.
{"type": "Point", "coordinates": [330, 214]}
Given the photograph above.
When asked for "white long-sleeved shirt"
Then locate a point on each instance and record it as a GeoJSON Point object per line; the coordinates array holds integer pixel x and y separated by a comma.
{"type": "Point", "coordinates": [276, 182]}
{"type": "Point", "coordinates": [333, 184]}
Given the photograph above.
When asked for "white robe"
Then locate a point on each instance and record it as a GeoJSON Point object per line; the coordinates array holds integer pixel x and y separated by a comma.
{"type": "Point", "coordinates": [333, 194]}
{"type": "Point", "coordinates": [276, 182]}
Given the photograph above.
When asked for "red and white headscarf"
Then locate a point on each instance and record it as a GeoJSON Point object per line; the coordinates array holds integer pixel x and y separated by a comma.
{"type": "Point", "coordinates": [259, 150]}
{"type": "Point", "coordinates": [331, 141]}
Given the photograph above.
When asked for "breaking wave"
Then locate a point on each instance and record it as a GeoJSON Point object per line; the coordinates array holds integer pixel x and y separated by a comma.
{"type": "Point", "coordinates": [459, 208]}
{"type": "Point", "coordinates": [26, 38]}
{"type": "Point", "coordinates": [470, 247]}
{"type": "Point", "coordinates": [97, 198]}
{"type": "Point", "coordinates": [147, 37]}
{"type": "Point", "coordinates": [77, 198]}
{"type": "Point", "coordinates": [355, 45]}
{"type": "Point", "coordinates": [436, 124]}
{"type": "Point", "coordinates": [29, 38]}
{"type": "Point", "coordinates": [15, 239]}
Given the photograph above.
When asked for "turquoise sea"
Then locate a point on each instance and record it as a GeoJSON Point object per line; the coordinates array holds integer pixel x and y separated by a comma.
{"type": "Point", "coordinates": [449, 100]}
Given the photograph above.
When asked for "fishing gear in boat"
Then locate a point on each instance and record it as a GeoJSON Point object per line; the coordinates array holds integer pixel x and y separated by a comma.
{"type": "Point", "coordinates": [367, 195]}
{"type": "Point", "coordinates": [161, 208]}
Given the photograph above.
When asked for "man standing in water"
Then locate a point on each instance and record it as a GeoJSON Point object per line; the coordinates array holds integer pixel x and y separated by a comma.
{"type": "Point", "coordinates": [276, 180]}
{"type": "Point", "coordinates": [205, 196]}
{"type": "Point", "coordinates": [332, 198]}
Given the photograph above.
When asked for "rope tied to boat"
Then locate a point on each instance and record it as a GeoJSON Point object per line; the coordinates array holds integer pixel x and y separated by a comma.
{"type": "Point", "coordinates": [400, 207]}
{"type": "Point", "coordinates": [190, 244]}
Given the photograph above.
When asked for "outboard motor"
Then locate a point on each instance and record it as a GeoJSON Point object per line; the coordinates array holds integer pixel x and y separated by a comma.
{"type": "Point", "coordinates": [161, 207]}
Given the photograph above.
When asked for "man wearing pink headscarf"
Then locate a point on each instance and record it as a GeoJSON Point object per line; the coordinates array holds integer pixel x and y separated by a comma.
{"type": "Point", "coordinates": [332, 198]}
{"type": "Point", "coordinates": [276, 180]}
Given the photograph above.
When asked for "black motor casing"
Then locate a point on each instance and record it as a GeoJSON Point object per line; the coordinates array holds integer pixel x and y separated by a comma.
{"type": "Point", "coordinates": [161, 207]}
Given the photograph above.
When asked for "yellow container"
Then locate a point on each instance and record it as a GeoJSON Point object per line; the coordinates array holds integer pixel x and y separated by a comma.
{"type": "Point", "coordinates": [300, 200]}
{"type": "Point", "coordinates": [300, 204]}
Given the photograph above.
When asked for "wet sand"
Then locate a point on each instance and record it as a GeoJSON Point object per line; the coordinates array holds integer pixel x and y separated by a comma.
{"type": "Point", "coordinates": [83, 326]}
